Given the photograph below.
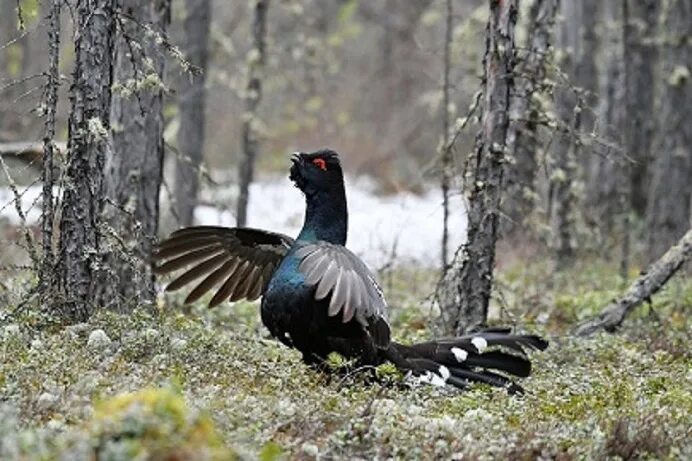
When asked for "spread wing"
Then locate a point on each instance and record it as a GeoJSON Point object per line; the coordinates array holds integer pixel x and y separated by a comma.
{"type": "Point", "coordinates": [238, 260]}
{"type": "Point", "coordinates": [354, 291]}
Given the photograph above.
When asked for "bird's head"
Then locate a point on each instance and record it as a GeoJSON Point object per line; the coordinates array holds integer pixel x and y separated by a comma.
{"type": "Point", "coordinates": [316, 172]}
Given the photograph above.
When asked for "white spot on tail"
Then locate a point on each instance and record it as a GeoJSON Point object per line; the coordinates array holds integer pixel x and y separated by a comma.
{"type": "Point", "coordinates": [431, 378]}
{"type": "Point", "coordinates": [459, 354]}
{"type": "Point", "coordinates": [444, 372]}
{"type": "Point", "coordinates": [480, 343]}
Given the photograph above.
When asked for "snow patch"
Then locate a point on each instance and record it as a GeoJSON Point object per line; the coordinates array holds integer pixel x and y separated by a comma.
{"type": "Point", "coordinates": [399, 228]}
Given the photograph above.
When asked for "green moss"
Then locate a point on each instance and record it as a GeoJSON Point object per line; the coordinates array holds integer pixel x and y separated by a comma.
{"type": "Point", "coordinates": [154, 424]}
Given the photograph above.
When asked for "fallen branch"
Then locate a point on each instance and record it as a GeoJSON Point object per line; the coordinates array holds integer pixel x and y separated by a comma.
{"type": "Point", "coordinates": [641, 289]}
{"type": "Point", "coordinates": [30, 152]}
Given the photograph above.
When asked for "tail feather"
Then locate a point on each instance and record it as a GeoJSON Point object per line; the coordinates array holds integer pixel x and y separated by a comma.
{"type": "Point", "coordinates": [484, 339]}
{"type": "Point", "coordinates": [488, 377]}
{"type": "Point", "coordinates": [463, 360]}
{"type": "Point", "coordinates": [498, 360]}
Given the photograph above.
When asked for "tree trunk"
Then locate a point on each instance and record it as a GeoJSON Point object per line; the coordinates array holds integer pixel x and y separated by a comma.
{"type": "Point", "coordinates": [50, 101]}
{"type": "Point", "coordinates": [640, 65]}
{"type": "Point", "coordinates": [253, 95]}
{"type": "Point", "coordinates": [522, 138]}
{"type": "Point", "coordinates": [89, 140]}
{"type": "Point", "coordinates": [587, 73]}
{"type": "Point", "coordinates": [192, 102]}
{"type": "Point", "coordinates": [464, 292]}
{"type": "Point", "coordinates": [446, 151]}
{"type": "Point", "coordinates": [668, 213]}
{"type": "Point", "coordinates": [564, 166]}
{"type": "Point", "coordinates": [641, 289]}
{"type": "Point", "coordinates": [607, 178]}
{"type": "Point", "coordinates": [393, 89]}
{"type": "Point", "coordinates": [8, 30]}
{"type": "Point", "coordinates": [134, 166]}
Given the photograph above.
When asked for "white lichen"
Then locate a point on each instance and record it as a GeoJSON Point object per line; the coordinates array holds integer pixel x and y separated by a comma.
{"type": "Point", "coordinates": [98, 339]}
{"type": "Point", "coordinates": [46, 401]}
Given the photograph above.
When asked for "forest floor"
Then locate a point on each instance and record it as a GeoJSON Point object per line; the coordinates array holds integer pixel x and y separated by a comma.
{"type": "Point", "coordinates": [209, 384]}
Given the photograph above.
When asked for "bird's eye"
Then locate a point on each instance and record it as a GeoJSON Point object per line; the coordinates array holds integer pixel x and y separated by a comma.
{"type": "Point", "coordinates": [320, 163]}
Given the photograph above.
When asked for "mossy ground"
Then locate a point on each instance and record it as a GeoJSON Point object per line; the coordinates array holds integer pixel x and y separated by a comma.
{"type": "Point", "coordinates": [210, 385]}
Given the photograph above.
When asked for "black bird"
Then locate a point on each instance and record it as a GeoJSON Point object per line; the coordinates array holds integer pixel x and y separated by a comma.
{"type": "Point", "coordinates": [319, 297]}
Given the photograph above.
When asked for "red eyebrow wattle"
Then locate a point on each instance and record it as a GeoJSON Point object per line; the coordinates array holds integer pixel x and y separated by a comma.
{"type": "Point", "coordinates": [321, 164]}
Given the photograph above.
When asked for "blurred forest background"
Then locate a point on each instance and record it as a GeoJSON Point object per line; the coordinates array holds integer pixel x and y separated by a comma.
{"type": "Point", "coordinates": [551, 137]}
{"type": "Point", "coordinates": [606, 113]}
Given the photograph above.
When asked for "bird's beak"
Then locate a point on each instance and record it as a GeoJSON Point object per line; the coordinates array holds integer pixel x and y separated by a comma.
{"type": "Point", "coordinates": [294, 173]}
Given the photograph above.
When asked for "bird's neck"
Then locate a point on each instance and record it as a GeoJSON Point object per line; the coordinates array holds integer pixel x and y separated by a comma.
{"type": "Point", "coordinates": [326, 217]}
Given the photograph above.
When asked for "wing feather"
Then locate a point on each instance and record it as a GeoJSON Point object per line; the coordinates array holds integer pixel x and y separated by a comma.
{"type": "Point", "coordinates": [327, 280]}
{"type": "Point", "coordinates": [177, 247]}
{"type": "Point", "coordinates": [336, 272]}
{"type": "Point", "coordinates": [241, 260]}
{"type": "Point", "coordinates": [349, 308]}
{"type": "Point", "coordinates": [198, 271]}
{"type": "Point", "coordinates": [212, 279]}
{"type": "Point", "coordinates": [228, 287]}
{"type": "Point", "coordinates": [338, 292]}
{"type": "Point", "coordinates": [188, 258]}
{"type": "Point", "coordinates": [248, 279]}
{"type": "Point", "coordinates": [315, 267]}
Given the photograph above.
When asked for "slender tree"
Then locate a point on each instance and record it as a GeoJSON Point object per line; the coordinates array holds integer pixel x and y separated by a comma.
{"type": "Point", "coordinates": [527, 111]}
{"type": "Point", "coordinates": [8, 28]}
{"type": "Point", "coordinates": [400, 67]}
{"type": "Point", "coordinates": [88, 143]}
{"type": "Point", "coordinates": [253, 95]}
{"type": "Point", "coordinates": [134, 165]}
{"type": "Point", "coordinates": [668, 213]}
{"type": "Point", "coordinates": [566, 148]}
{"type": "Point", "coordinates": [562, 186]}
{"type": "Point", "coordinates": [641, 56]}
{"type": "Point", "coordinates": [446, 149]}
{"type": "Point", "coordinates": [464, 292]}
{"type": "Point", "coordinates": [587, 72]}
{"type": "Point", "coordinates": [625, 178]}
{"type": "Point", "coordinates": [606, 186]}
{"type": "Point", "coordinates": [192, 103]}
{"type": "Point", "coordinates": [48, 166]}
{"type": "Point", "coordinates": [587, 75]}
